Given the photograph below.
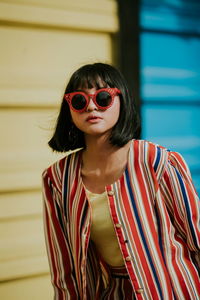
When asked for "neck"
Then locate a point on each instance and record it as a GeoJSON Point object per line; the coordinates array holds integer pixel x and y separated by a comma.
{"type": "Point", "coordinates": [98, 147]}
{"type": "Point", "coordinates": [100, 153]}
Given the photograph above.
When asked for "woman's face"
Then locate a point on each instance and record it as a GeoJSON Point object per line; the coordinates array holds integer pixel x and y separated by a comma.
{"type": "Point", "coordinates": [94, 121]}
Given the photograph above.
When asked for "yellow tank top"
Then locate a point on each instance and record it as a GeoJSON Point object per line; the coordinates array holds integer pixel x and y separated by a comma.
{"type": "Point", "coordinates": [102, 230]}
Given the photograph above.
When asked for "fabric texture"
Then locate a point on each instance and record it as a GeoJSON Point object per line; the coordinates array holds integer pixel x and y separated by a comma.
{"type": "Point", "coordinates": [102, 230]}
{"type": "Point", "coordinates": [156, 215]}
{"type": "Point", "coordinates": [118, 285]}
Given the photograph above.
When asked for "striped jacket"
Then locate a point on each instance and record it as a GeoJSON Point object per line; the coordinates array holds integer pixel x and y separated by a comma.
{"type": "Point", "coordinates": [156, 215]}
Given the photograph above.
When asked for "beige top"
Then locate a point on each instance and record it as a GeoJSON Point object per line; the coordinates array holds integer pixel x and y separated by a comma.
{"type": "Point", "coordinates": [102, 230]}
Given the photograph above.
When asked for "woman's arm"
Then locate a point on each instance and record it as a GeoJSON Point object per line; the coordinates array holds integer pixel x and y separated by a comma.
{"type": "Point", "coordinates": [57, 244]}
{"type": "Point", "coordinates": [182, 202]}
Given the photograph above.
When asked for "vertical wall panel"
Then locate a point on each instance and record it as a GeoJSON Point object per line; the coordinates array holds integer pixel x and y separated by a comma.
{"type": "Point", "coordinates": [170, 77]}
{"type": "Point", "coordinates": [42, 42]}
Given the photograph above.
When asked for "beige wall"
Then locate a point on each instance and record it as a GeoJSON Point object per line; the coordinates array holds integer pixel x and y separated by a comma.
{"type": "Point", "coordinates": [42, 42]}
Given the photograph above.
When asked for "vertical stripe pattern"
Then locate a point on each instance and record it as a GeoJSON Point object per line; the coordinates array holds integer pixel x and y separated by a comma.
{"type": "Point", "coordinates": [158, 209]}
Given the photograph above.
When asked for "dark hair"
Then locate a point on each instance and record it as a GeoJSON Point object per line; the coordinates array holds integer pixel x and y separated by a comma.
{"type": "Point", "coordinates": [68, 137]}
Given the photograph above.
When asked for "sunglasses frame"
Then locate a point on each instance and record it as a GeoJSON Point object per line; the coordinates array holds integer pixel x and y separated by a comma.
{"type": "Point", "coordinates": [112, 91]}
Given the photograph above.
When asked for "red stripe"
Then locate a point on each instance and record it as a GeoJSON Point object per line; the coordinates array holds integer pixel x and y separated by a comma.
{"type": "Point", "coordinates": [61, 242]}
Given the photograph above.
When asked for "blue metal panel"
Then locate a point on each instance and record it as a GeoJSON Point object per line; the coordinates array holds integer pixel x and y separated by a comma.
{"type": "Point", "coordinates": [171, 15]}
{"type": "Point", "coordinates": [170, 77]}
{"type": "Point", "coordinates": [176, 127]}
{"type": "Point", "coordinates": [170, 67]}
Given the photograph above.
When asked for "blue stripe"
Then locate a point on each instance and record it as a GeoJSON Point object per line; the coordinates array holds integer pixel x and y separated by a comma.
{"type": "Point", "coordinates": [159, 233]}
{"type": "Point", "coordinates": [84, 214]}
{"type": "Point", "coordinates": [66, 185]}
{"type": "Point", "coordinates": [157, 158]}
{"type": "Point", "coordinates": [187, 207]}
{"type": "Point", "coordinates": [142, 233]}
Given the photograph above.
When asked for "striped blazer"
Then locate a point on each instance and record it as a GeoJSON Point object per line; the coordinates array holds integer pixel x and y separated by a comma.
{"type": "Point", "coordinates": [156, 215]}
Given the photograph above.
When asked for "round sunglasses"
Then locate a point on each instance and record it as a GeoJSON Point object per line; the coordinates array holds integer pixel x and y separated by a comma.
{"type": "Point", "coordinates": [103, 99]}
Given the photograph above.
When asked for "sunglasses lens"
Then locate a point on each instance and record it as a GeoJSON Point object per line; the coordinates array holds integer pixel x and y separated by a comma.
{"type": "Point", "coordinates": [78, 102]}
{"type": "Point", "coordinates": [103, 99]}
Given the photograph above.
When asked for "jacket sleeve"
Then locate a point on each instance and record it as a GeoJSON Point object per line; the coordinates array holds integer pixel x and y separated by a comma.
{"type": "Point", "coordinates": [57, 243]}
{"type": "Point", "coordinates": [182, 202]}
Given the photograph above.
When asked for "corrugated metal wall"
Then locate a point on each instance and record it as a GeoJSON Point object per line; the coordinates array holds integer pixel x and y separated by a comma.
{"type": "Point", "coordinates": [170, 77]}
{"type": "Point", "coordinates": [42, 42]}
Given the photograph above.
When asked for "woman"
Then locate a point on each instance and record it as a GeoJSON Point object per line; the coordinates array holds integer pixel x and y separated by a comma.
{"type": "Point", "coordinates": [121, 215]}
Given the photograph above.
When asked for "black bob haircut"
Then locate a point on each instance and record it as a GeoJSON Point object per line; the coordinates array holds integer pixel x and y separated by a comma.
{"type": "Point", "coordinates": [68, 137]}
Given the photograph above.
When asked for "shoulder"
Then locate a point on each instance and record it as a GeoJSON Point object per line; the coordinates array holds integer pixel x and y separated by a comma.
{"type": "Point", "coordinates": [177, 161]}
{"type": "Point", "coordinates": [150, 151]}
{"type": "Point", "coordinates": [159, 157]}
{"type": "Point", "coordinates": [151, 155]}
{"type": "Point", "coordinates": [57, 171]}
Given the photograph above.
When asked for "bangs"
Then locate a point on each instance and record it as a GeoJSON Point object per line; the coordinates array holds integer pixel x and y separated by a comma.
{"type": "Point", "coordinates": [90, 82]}
{"type": "Point", "coordinates": [90, 76]}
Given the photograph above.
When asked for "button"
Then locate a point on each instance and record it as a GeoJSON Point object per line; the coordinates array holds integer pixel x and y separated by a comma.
{"type": "Point", "coordinates": [128, 258]}
{"type": "Point", "coordinates": [118, 225]}
{"type": "Point", "coordinates": [110, 193]}
{"type": "Point", "coordinates": [140, 291]}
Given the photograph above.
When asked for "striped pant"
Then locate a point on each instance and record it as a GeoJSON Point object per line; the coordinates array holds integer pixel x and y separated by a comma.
{"type": "Point", "coordinates": [117, 284]}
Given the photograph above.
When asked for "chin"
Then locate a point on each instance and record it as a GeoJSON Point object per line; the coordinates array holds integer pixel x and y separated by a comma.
{"type": "Point", "coordinates": [98, 134]}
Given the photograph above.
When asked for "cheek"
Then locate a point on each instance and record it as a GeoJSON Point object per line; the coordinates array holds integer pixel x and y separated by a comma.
{"type": "Point", "coordinates": [112, 114]}
{"type": "Point", "coordinates": [76, 119]}
{"type": "Point", "coordinates": [74, 116]}
{"type": "Point", "coordinates": [116, 109]}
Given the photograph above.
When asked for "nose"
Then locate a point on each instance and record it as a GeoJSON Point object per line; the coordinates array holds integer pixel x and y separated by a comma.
{"type": "Point", "coordinates": [91, 105]}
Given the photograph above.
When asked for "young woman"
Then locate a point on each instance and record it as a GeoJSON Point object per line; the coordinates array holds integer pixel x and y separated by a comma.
{"type": "Point", "coordinates": [121, 214]}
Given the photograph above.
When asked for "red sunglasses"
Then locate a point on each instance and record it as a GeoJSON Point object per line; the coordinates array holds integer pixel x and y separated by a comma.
{"type": "Point", "coordinates": [103, 99]}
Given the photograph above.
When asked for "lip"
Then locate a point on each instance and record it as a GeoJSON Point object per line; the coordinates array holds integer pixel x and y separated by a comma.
{"type": "Point", "coordinates": [93, 119]}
